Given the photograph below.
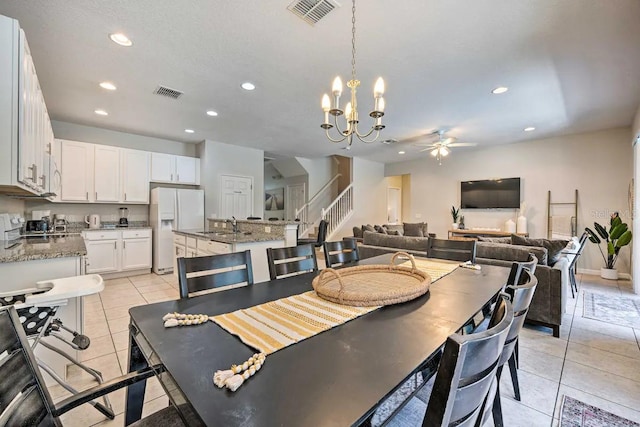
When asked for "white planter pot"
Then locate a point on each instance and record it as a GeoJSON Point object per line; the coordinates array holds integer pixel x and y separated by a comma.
{"type": "Point", "coordinates": [454, 226]}
{"type": "Point", "coordinates": [609, 273]}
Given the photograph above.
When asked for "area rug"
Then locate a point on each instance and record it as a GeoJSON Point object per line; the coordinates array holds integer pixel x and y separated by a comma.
{"type": "Point", "coordinates": [612, 309]}
{"type": "Point", "coordinates": [578, 414]}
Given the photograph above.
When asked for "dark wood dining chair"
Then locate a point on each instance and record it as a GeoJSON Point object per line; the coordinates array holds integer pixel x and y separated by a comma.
{"type": "Point", "coordinates": [341, 252]}
{"type": "Point", "coordinates": [322, 236]}
{"type": "Point", "coordinates": [455, 250]}
{"type": "Point", "coordinates": [215, 271]}
{"type": "Point", "coordinates": [292, 260]}
{"type": "Point", "coordinates": [466, 375]}
{"type": "Point", "coordinates": [521, 295]}
{"type": "Point", "coordinates": [24, 398]}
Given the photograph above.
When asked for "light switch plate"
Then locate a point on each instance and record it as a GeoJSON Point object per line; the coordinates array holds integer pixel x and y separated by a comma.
{"type": "Point", "coordinates": [224, 225]}
{"type": "Point", "coordinates": [267, 229]}
{"type": "Point", "coordinates": [418, 216]}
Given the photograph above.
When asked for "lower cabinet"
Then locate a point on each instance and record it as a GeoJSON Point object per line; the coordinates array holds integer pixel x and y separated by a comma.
{"type": "Point", "coordinates": [112, 251]}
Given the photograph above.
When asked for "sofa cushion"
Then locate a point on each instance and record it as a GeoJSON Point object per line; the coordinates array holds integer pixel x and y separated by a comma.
{"type": "Point", "coordinates": [395, 227]}
{"type": "Point", "coordinates": [553, 246]}
{"type": "Point", "coordinates": [495, 239]}
{"type": "Point", "coordinates": [357, 232]}
{"type": "Point", "coordinates": [397, 242]}
{"type": "Point", "coordinates": [413, 229]}
{"type": "Point", "coordinates": [510, 253]}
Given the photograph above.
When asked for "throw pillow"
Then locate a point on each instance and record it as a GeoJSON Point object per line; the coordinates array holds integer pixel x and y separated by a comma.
{"type": "Point", "coordinates": [357, 232]}
{"type": "Point", "coordinates": [425, 232]}
{"type": "Point", "coordinates": [368, 227]}
{"type": "Point", "coordinates": [380, 229]}
{"type": "Point", "coordinates": [553, 246]}
{"type": "Point", "coordinates": [413, 229]}
{"type": "Point", "coordinates": [393, 233]}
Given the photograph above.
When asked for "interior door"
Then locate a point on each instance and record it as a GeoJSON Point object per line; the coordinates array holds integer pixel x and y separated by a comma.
{"type": "Point", "coordinates": [295, 200]}
{"type": "Point", "coordinates": [236, 196]}
{"type": "Point", "coordinates": [394, 205]}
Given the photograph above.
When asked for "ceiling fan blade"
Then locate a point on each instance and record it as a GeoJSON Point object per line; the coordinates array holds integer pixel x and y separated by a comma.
{"type": "Point", "coordinates": [430, 147]}
{"type": "Point", "coordinates": [462, 144]}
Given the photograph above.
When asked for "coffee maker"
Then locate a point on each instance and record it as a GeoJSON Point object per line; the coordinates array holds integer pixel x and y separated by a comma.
{"type": "Point", "coordinates": [124, 217]}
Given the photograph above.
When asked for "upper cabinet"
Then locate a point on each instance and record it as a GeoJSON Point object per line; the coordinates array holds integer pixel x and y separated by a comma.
{"type": "Point", "coordinates": [26, 136]}
{"type": "Point", "coordinates": [168, 168]}
{"type": "Point", "coordinates": [103, 174]}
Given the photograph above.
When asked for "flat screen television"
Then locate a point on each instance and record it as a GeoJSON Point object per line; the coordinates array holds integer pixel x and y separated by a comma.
{"type": "Point", "coordinates": [490, 194]}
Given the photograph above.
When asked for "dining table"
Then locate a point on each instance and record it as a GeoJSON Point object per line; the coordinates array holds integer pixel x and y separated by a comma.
{"type": "Point", "coordinates": [335, 378]}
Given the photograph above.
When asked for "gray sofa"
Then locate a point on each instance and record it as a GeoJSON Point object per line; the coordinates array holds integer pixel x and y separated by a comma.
{"type": "Point", "coordinates": [548, 301]}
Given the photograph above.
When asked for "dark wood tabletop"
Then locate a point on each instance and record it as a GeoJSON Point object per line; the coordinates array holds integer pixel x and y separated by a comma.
{"type": "Point", "coordinates": [336, 378]}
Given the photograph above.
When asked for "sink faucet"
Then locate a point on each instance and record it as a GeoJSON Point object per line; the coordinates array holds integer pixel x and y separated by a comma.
{"type": "Point", "coordinates": [234, 224]}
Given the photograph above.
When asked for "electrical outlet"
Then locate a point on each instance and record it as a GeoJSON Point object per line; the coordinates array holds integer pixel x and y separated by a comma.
{"type": "Point", "coordinates": [224, 225]}
{"type": "Point", "coordinates": [418, 216]}
{"type": "Point", "coordinates": [267, 229]}
{"type": "Point", "coordinates": [215, 224]}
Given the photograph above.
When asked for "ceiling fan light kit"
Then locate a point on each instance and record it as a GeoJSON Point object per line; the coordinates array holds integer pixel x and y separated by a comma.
{"type": "Point", "coordinates": [351, 109]}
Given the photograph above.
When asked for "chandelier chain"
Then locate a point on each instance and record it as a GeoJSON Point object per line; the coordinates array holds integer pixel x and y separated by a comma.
{"type": "Point", "coordinates": [353, 41]}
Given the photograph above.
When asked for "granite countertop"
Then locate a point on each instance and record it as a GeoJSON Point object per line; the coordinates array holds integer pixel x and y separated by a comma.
{"type": "Point", "coordinates": [258, 221]}
{"type": "Point", "coordinates": [41, 247]}
{"type": "Point", "coordinates": [147, 227]}
{"type": "Point", "coordinates": [229, 237]}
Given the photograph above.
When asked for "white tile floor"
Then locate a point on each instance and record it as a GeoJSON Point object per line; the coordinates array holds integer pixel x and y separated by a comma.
{"type": "Point", "coordinates": [596, 362]}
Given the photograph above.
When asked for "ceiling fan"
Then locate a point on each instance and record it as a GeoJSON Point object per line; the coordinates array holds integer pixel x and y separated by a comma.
{"type": "Point", "coordinates": [442, 146]}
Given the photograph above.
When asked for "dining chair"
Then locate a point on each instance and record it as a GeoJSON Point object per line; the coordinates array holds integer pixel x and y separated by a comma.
{"type": "Point", "coordinates": [24, 397]}
{"type": "Point", "coordinates": [203, 273]}
{"type": "Point", "coordinates": [521, 295]}
{"type": "Point", "coordinates": [456, 250]}
{"type": "Point", "coordinates": [341, 252]}
{"type": "Point", "coordinates": [322, 236]}
{"type": "Point", "coordinates": [291, 261]}
{"type": "Point", "coordinates": [465, 377]}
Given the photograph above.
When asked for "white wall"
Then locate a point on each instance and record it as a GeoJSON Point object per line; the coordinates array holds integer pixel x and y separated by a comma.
{"type": "Point", "coordinates": [217, 159]}
{"type": "Point", "coordinates": [74, 132]}
{"type": "Point", "coordinates": [320, 171]}
{"type": "Point", "coordinates": [598, 164]}
{"type": "Point", "coordinates": [273, 179]}
{"type": "Point", "coordinates": [635, 133]}
{"type": "Point", "coordinates": [370, 196]}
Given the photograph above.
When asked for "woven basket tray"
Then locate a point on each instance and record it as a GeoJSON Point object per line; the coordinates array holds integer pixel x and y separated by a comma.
{"type": "Point", "coordinates": [372, 285]}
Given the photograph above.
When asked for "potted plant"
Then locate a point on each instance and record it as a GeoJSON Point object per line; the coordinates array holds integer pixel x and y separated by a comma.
{"type": "Point", "coordinates": [618, 236]}
{"type": "Point", "coordinates": [454, 216]}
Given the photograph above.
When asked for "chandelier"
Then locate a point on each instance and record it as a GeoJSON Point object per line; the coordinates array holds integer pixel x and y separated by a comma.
{"type": "Point", "coordinates": [350, 128]}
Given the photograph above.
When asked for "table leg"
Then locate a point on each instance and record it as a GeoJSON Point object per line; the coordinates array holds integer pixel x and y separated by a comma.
{"type": "Point", "coordinates": [135, 392]}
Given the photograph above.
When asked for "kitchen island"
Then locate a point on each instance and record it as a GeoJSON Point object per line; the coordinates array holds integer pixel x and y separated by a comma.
{"type": "Point", "coordinates": [192, 243]}
{"type": "Point", "coordinates": [32, 259]}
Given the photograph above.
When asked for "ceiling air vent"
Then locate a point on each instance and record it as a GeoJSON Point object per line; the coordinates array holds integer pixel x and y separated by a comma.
{"type": "Point", "coordinates": [168, 92]}
{"type": "Point", "coordinates": [312, 11]}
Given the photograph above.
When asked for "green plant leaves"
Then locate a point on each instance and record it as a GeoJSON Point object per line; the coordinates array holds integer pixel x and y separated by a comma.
{"type": "Point", "coordinates": [601, 231]}
{"type": "Point", "coordinates": [617, 231]}
{"type": "Point", "coordinates": [610, 249]}
{"type": "Point", "coordinates": [592, 236]}
{"type": "Point", "coordinates": [624, 239]}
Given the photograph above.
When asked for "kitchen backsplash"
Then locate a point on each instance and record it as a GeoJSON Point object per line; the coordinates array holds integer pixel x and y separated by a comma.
{"type": "Point", "coordinates": [76, 212]}
{"type": "Point", "coordinates": [11, 205]}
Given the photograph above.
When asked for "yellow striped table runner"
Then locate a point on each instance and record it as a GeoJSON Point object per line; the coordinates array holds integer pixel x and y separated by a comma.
{"type": "Point", "coordinates": [274, 325]}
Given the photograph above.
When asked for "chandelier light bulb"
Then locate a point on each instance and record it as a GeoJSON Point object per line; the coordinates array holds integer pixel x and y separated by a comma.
{"type": "Point", "coordinates": [337, 86]}
{"type": "Point", "coordinates": [444, 152]}
{"type": "Point", "coordinates": [378, 89]}
{"type": "Point", "coordinates": [326, 103]}
{"type": "Point", "coordinates": [434, 152]}
{"type": "Point", "coordinates": [380, 104]}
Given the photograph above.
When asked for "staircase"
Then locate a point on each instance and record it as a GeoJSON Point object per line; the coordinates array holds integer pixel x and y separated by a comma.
{"type": "Point", "coordinates": [339, 210]}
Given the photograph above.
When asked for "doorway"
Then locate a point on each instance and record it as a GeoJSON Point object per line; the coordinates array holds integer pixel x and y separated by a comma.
{"type": "Point", "coordinates": [295, 200]}
{"type": "Point", "coordinates": [236, 196]}
{"type": "Point", "coordinates": [394, 205]}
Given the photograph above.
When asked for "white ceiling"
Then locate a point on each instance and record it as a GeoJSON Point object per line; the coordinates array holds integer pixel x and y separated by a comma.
{"type": "Point", "coordinates": [571, 66]}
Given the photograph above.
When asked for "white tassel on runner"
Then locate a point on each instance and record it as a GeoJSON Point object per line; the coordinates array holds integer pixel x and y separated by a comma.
{"type": "Point", "coordinates": [233, 378]}
{"type": "Point", "coordinates": [179, 319]}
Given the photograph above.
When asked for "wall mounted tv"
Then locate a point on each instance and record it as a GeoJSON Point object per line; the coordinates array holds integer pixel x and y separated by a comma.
{"type": "Point", "coordinates": [490, 194]}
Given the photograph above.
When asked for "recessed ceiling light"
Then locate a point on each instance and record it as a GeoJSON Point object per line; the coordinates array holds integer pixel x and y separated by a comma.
{"type": "Point", "coordinates": [121, 39]}
{"type": "Point", "coordinates": [211, 113]}
{"type": "Point", "coordinates": [400, 152]}
{"type": "Point", "coordinates": [529, 129]}
{"type": "Point", "coordinates": [189, 130]}
{"type": "Point", "coordinates": [248, 86]}
{"type": "Point", "coordinates": [101, 112]}
{"type": "Point", "coordinates": [108, 86]}
{"type": "Point", "coordinates": [499, 90]}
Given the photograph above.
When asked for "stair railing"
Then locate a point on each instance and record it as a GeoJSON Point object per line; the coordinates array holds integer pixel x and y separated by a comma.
{"type": "Point", "coordinates": [305, 213]}
{"type": "Point", "coordinates": [339, 209]}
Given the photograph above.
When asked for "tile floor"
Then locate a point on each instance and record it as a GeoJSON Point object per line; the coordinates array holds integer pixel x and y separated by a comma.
{"type": "Point", "coordinates": [596, 362]}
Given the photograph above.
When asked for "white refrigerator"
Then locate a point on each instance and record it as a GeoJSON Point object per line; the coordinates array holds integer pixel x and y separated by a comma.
{"type": "Point", "coordinates": [173, 209]}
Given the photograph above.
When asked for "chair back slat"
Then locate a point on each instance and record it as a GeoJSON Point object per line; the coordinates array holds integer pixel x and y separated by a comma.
{"type": "Point", "coordinates": [521, 296]}
{"type": "Point", "coordinates": [24, 400]}
{"type": "Point", "coordinates": [455, 250]}
{"type": "Point", "coordinates": [466, 371]}
{"type": "Point", "coordinates": [341, 252]}
{"type": "Point", "coordinates": [291, 260]}
{"type": "Point", "coordinates": [203, 273]}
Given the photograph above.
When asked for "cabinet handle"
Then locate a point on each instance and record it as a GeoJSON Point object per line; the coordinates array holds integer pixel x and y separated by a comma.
{"type": "Point", "coordinates": [125, 197]}
{"type": "Point", "coordinates": [124, 244]}
{"type": "Point", "coordinates": [87, 197]}
{"type": "Point", "coordinates": [44, 181]}
{"type": "Point", "coordinates": [178, 177]}
{"type": "Point", "coordinates": [176, 250]}
{"type": "Point", "coordinates": [171, 177]}
{"type": "Point", "coordinates": [96, 195]}
{"type": "Point", "coordinates": [115, 246]}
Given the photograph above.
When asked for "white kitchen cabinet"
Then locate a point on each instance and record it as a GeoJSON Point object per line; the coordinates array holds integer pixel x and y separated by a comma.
{"type": "Point", "coordinates": [106, 174]}
{"type": "Point", "coordinates": [180, 251]}
{"type": "Point", "coordinates": [102, 256]}
{"type": "Point", "coordinates": [112, 251]}
{"type": "Point", "coordinates": [77, 171]}
{"type": "Point", "coordinates": [25, 127]}
{"type": "Point", "coordinates": [136, 249]}
{"type": "Point", "coordinates": [175, 169]}
{"type": "Point", "coordinates": [135, 176]}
